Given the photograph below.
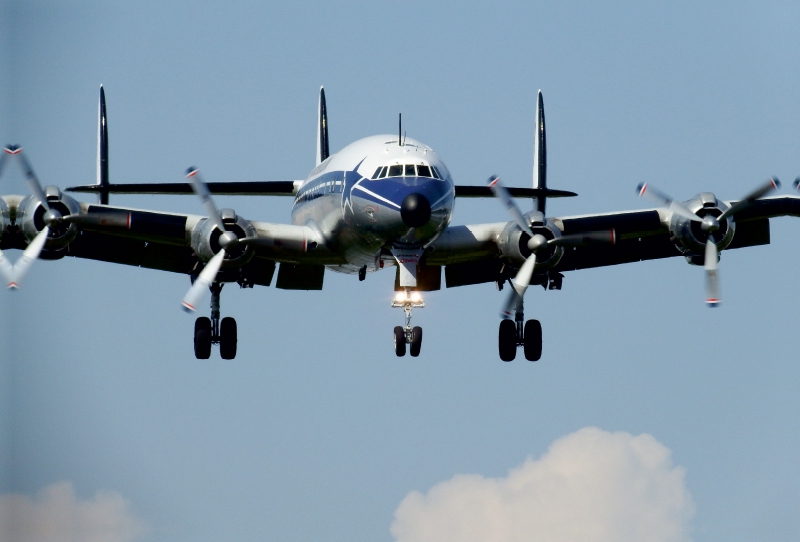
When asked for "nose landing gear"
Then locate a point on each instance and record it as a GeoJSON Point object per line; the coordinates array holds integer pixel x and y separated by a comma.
{"type": "Point", "coordinates": [520, 333]}
{"type": "Point", "coordinates": [412, 336]}
{"type": "Point", "coordinates": [208, 331]}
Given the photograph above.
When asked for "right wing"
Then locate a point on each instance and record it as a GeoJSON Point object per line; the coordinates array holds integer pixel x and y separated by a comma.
{"type": "Point", "coordinates": [166, 241]}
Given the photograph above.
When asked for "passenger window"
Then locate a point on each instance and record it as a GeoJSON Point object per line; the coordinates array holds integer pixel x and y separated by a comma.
{"type": "Point", "coordinates": [410, 170]}
{"type": "Point", "coordinates": [424, 171]}
{"type": "Point", "coordinates": [377, 172]}
{"type": "Point", "coordinates": [383, 172]}
{"type": "Point", "coordinates": [395, 171]}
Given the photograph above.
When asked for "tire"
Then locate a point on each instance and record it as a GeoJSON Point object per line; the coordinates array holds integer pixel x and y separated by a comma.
{"type": "Point", "coordinates": [227, 338]}
{"type": "Point", "coordinates": [533, 340]}
{"type": "Point", "coordinates": [399, 341]}
{"type": "Point", "coordinates": [507, 340]}
{"type": "Point", "coordinates": [202, 338]}
{"type": "Point", "coordinates": [416, 341]}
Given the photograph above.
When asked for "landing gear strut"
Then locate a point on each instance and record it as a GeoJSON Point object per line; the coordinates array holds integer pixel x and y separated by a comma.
{"type": "Point", "coordinates": [517, 332]}
{"type": "Point", "coordinates": [408, 300]}
{"type": "Point", "coordinates": [208, 331]}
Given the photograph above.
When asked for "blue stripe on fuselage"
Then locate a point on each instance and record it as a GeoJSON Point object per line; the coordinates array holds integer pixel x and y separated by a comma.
{"type": "Point", "coordinates": [395, 190]}
{"type": "Point", "coordinates": [332, 182]}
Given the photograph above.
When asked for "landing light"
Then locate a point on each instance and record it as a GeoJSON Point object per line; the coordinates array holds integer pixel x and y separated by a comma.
{"type": "Point", "coordinates": [400, 297]}
{"type": "Point", "coordinates": [415, 297]}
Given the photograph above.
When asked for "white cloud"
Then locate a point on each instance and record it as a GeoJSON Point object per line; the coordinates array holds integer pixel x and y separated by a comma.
{"type": "Point", "coordinates": [592, 486]}
{"type": "Point", "coordinates": [57, 515]}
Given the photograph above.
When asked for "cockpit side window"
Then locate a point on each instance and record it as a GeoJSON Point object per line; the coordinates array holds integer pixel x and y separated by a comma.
{"type": "Point", "coordinates": [424, 171]}
{"type": "Point", "coordinates": [395, 171]}
{"type": "Point", "coordinates": [383, 172]}
{"type": "Point", "coordinates": [377, 173]}
{"type": "Point", "coordinates": [436, 172]}
{"type": "Point", "coordinates": [410, 170]}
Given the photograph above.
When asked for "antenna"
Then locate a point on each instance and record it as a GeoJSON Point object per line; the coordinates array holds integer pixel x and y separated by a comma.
{"type": "Point", "coordinates": [400, 129]}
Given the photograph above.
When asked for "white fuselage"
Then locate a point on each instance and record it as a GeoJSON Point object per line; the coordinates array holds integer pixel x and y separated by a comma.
{"type": "Point", "coordinates": [375, 194]}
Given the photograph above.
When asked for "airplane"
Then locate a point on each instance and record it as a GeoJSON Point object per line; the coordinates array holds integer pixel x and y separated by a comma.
{"type": "Point", "coordinates": [384, 201]}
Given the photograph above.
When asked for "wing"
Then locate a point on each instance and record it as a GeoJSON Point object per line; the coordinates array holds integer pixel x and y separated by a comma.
{"type": "Point", "coordinates": [170, 242]}
{"type": "Point", "coordinates": [471, 254]}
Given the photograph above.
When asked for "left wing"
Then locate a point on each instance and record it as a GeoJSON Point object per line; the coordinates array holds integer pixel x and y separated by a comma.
{"type": "Point", "coordinates": [471, 254]}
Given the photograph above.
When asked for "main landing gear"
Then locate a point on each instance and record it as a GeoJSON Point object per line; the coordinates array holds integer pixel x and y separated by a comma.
{"type": "Point", "coordinates": [517, 332]}
{"type": "Point", "coordinates": [408, 335]}
{"type": "Point", "coordinates": [208, 331]}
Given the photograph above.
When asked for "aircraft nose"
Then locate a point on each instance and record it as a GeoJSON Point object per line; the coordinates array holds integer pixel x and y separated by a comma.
{"type": "Point", "coordinates": [415, 210]}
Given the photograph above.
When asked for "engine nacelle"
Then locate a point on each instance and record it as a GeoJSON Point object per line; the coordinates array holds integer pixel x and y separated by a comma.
{"type": "Point", "coordinates": [205, 239]}
{"type": "Point", "coordinates": [688, 235]}
{"type": "Point", "coordinates": [30, 219]}
{"type": "Point", "coordinates": [513, 242]}
{"type": "Point", "coordinates": [5, 217]}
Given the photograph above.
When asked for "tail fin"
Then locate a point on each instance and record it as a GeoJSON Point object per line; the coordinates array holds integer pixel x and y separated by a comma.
{"type": "Point", "coordinates": [102, 149]}
{"type": "Point", "coordinates": [540, 155]}
{"type": "Point", "coordinates": [322, 129]}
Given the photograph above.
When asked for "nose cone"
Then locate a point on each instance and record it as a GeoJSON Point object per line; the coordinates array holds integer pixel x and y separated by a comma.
{"type": "Point", "coordinates": [415, 210]}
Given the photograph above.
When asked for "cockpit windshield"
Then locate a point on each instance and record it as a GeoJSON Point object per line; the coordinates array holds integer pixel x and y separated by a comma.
{"type": "Point", "coordinates": [407, 170]}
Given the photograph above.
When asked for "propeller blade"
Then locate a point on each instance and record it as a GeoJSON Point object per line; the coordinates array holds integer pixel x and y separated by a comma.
{"type": "Point", "coordinates": [3, 158]}
{"type": "Point", "coordinates": [30, 254]}
{"type": "Point", "coordinates": [712, 274]}
{"type": "Point", "coordinates": [796, 183]}
{"type": "Point", "coordinates": [6, 271]}
{"type": "Point", "coordinates": [749, 199]}
{"type": "Point", "coordinates": [33, 181]}
{"type": "Point", "coordinates": [586, 238]}
{"type": "Point", "coordinates": [200, 188]}
{"type": "Point", "coordinates": [500, 191]}
{"type": "Point", "coordinates": [677, 207]}
{"type": "Point", "coordinates": [518, 286]}
{"type": "Point", "coordinates": [201, 283]}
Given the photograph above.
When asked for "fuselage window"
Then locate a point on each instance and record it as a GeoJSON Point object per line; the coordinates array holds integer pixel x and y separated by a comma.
{"type": "Point", "coordinates": [410, 170]}
{"type": "Point", "coordinates": [424, 171]}
{"type": "Point", "coordinates": [395, 171]}
{"type": "Point", "coordinates": [383, 172]}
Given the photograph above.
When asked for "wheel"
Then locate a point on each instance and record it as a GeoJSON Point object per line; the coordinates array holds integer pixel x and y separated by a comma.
{"type": "Point", "coordinates": [227, 338]}
{"type": "Point", "coordinates": [533, 340]}
{"type": "Point", "coordinates": [202, 338]}
{"type": "Point", "coordinates": [399, 341]}
{"type": "Point", "coordinates": [416, 341]}
{"type": "Point", "coordinates": [507, 340]}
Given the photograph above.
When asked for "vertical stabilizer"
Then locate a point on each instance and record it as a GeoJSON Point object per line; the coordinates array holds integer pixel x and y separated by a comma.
{"type": "Point", "coordinates": [322, 129]}
{"type": "Point", "coordinates": [102, 149]}
{"type": "Point", "coordinates": [540, 154]}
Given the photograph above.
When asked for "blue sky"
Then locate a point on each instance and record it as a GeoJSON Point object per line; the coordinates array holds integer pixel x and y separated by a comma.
{"type": "Point", "coordinates": [317, 431]}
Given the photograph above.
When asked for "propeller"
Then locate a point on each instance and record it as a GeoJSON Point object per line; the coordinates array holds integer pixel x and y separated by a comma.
{"type": "Point", "coordinates": [227, 241]}
{"type": "Point", "coordinates": [14, 273]}
{"type": "Point", "coordinates": [711, 225]}
{"type": "Point", "coordinates": [6, 267]}
{"type": "Point", "coordinates": [537, 243]}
